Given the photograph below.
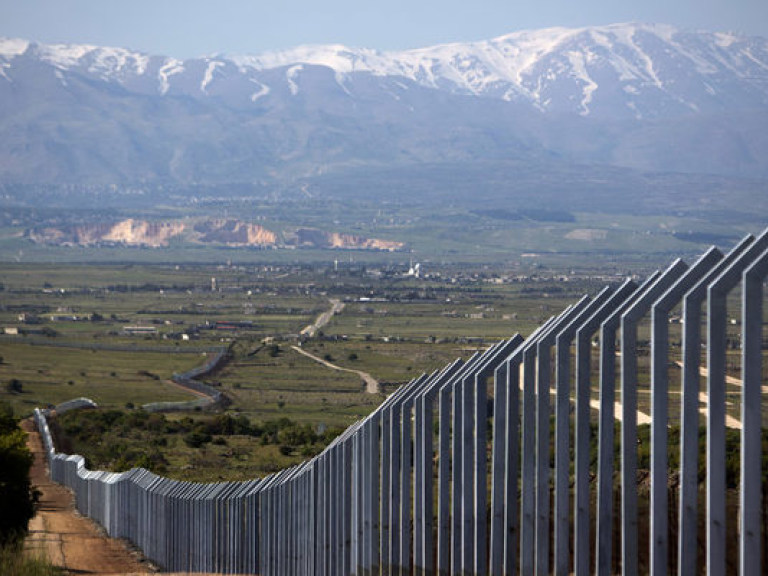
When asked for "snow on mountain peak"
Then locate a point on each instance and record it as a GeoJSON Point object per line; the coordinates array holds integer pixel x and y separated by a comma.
{"type": "Point", "coordinates": [101, 60]}
{"type": "Point", "coordinates": [64, 55]}
{"type": "Point", "coordinates": [336, 56]}
{"type": "Point", "coordinates": [565, 69]}
{"type": "Point", "coordinates": [12, 47]}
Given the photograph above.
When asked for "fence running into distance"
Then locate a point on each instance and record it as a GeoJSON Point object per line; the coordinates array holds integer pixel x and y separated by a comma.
{"type": "Point", "coordinates": [189, 380]}
{"type": "Point", "coordinates": [398, 494]}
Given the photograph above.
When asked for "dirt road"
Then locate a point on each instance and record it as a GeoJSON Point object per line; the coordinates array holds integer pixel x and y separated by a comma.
{"type": "Point", "coordinates": [371, 384]}
{"type": "Point", "coordinates": [69, 540]}
{"type": "Point", "coordinates": [323, 319]}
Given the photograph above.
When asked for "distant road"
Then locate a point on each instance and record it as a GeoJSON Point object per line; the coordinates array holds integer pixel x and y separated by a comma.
{"type": "Point", "coordinates": [371, 384]}
{"type": "Point", "coordinates": [336, 307]}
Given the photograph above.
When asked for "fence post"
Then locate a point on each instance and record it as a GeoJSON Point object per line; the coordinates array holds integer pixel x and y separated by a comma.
{"type": "Point", "coordinates": [528, 464]}
{"type": "Point", "coordinates": [543, 412]}
{"type": "Point", "coordinates": [689, 413]}
{"type": "Point", "coordinates": [582, 424]}
{"type": "Point", "coordinates": [562, 428]}
{"type": "Point", "coordinates": [423, 512]}
{"type": "Point", "coordinates": [501, 423]}
{"type": "Point", "coordinates": [751, 416]}
{"type": "Point", "coordinates": [717, 344]}
{"type": "Point", "coordinates": [659, 537]}
{"type": "Point", "coordinates": [606, 428]}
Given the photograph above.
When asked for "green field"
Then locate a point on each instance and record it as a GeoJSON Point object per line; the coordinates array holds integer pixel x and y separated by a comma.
{"type": "Point", "coordinates": [51, 375]}
{"type": "Point", "coordinates": [71, 342]}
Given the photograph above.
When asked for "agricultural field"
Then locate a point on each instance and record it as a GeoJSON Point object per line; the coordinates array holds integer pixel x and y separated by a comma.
{"type": "Point", "coordinates": [67, 334]}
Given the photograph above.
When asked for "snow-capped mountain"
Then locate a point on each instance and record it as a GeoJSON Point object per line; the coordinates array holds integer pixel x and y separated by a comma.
{"type": "Point", "coordinates": [566, 69]}
{"type": "Point", "coordinates": [646, 96]}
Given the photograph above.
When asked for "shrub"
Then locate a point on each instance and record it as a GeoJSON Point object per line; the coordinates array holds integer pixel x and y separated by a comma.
{"type": "Point", "coordinates": [16, 493]}
{"type": "Point", "coordinates": [7, 421]}
{"type": "Point", "coordinates": [197, 438]}
{"type": "Point", "coordinates": [14, 386]}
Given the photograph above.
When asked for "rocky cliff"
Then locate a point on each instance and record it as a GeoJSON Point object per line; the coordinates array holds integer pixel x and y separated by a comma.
{"type": "Point", "coordinates": [229, 232]}
{"type": "Point", "coordinates": [235, 233]}
{"type": "Point", "coordinates": [322, 239]}
{"type": "Point", "coordinates": [130, 232]}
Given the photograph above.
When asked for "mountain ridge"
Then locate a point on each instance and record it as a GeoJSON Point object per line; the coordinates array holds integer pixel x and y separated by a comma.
{"type": "Point", "coordinates": [503, 67]}
{"type": "Point", "coordinates": [648, 97]}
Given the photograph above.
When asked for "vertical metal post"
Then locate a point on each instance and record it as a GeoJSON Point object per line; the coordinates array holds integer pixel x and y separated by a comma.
{"type": "Point", "coordinates": [498, 532]}
{"type": "Point", "coordinates": [479, 509]}
{"type": "Point", "coordinates": [629, 321]}
{"type": "Point", "coordinates": [659, 547]}
{"type": "Point", "coordinates": [490, 360]}
{"type": "Point", "coordinates": [386, 451]}
{"type": "Point", "coordinates": [606, 429]}
{"type": "Point", "coordinates": [716, 363]}
{"type": "Point", "coordinates": [716, 347]}
{"type": "Point", "coordinates": [373, 559]}
{"type": "Point", "coordinates": [543, 379]}
{"type": "Point", "coordinates": [750, 503]}
{"type": "Point", "coordinates": [562, 429]}
{"type": "Point", "coordinates": [511, 533]}
{"type": "Point", "coordinates": [466, 493]}
{"type": "Point", "coordinates": [418, 485]}
{"type": "Point", "coordinates": [406, 450]}
{"type": "Point", "coordinates": [528, 504]}
{"type": "Point", "coordinates": [689, 413]}
{"type": "Point", "coordinates": [423, 506]}
{"type": "Point", "coordinates": [457, 423]}
{"type": "Point", "coordinates": [394, 480]}
{"type": "Point", "coordinates": [356, 528]}
{"type": "Point", "coordinates": [345, 495]}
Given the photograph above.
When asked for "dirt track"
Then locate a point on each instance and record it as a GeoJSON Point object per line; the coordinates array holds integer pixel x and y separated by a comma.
{"type": "Point", "coordinates": [68, 539]}
{"type": "Point", "coordinates": [322, 320]}
{"type": "Point", "coordinates": [371, 384]}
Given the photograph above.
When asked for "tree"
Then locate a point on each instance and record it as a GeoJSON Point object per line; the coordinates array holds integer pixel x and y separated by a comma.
{"type": "Point", "coordinates": [7, 421]}
{"type": "Point", "coordinates": [16, 494]}
{"type": "Point", "coordinates": [14, 386]}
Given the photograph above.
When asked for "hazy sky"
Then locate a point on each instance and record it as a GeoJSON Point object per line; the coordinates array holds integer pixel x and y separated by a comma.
{"type": "Point", "coordinates": [187, 28]}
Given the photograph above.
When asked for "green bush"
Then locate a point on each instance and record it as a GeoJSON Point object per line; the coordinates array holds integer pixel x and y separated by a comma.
{"type": "Point", "coordinates": [16, 494]}
{"type": "Point", "coordinates": [196, 438]}
{"type": "Point", "coordinates": [14, 386]}
{"type": "Point", "coordinates": [7, 421]}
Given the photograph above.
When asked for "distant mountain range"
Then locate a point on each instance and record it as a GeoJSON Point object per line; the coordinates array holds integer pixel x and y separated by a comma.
{"type": "Point", "coordinates": [643, 97]}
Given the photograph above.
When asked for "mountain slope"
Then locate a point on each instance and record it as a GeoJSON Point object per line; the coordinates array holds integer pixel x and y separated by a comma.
{"type": "Point", "coordinates": [643, 96]}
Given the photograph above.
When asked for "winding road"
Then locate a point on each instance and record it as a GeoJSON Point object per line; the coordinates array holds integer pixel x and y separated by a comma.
{"type": "Point", "coordinates": [371, 384]}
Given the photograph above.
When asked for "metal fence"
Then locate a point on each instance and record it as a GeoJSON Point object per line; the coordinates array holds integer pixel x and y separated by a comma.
{"type": "Point", "coordinates": [188, 380]}
{"type": "Point", "coordinates": [452, 473]}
